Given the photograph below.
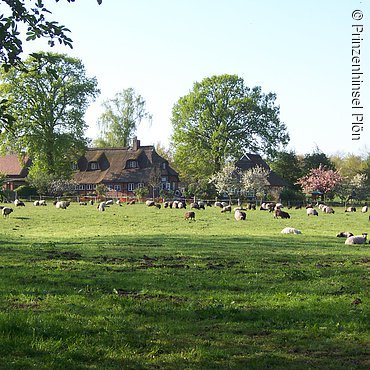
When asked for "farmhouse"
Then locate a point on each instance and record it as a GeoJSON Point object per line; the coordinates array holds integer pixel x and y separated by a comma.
{"type": "Point", "coordinates": [123, 170]}
{"type": "Point", "coordinates": [248, 161]}
{"type": "Point", "coordinates": [15, 170]}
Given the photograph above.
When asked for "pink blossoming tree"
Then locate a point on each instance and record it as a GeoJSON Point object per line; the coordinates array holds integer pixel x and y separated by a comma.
{"type": "Point", "coordinates": [320, 179]}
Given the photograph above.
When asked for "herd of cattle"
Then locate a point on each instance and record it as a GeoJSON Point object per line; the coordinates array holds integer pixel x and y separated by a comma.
{"type": "Point", "coordinates": [239, 211]}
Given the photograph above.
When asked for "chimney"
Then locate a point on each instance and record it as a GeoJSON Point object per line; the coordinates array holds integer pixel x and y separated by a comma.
{"type": "Point", "coordinates": [135, 143]}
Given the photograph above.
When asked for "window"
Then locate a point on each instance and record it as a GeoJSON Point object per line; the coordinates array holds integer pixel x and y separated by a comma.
{"type": "Point", "coordinates": [131, 186]}
{"type": "Point", "coordinates": [74, 166]}
{"type": "Point", "coordinates": [163, 179]}
{"type": "Point", "coordinates": [81, 187]}
{"type": "Point", "coordinates": [89, 186]}
{"type": "Point", "coordinates": [164, 165]}
{"type": "Point", "coordinates": [110, 187]}
{"type": "Point", "coordinates": [117, 187]}
{"type": "Point", "coordinates": [132, 164]}
{"type": "Point", "coordinates": [140, 185]}
{"type": "Point", "coordinates": [94, 166]}
{"type": "Point", "coordinates": [168, 186]}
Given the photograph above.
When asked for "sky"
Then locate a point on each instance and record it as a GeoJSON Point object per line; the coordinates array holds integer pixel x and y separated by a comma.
{"type": "Point", "coordinates": [300, 50]}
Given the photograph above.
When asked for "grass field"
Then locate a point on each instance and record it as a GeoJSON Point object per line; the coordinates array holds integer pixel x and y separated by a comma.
{"type": "Point", "coordinates": [141, 288]}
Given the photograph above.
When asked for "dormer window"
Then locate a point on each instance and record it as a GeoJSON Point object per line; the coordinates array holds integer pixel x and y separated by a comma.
{"type": "Point", "coordinates": [93, 165]}
{"type": "Point", "coordinates": [132, 164]}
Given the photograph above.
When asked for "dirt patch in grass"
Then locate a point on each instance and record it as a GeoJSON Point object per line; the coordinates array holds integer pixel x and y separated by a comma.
{"type": "Point", "coordinates": [147, 297]}
{"type": "Point", "coordinates": [53, 255]}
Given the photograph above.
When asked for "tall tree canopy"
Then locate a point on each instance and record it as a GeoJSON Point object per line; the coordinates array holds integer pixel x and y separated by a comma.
{"type": "Point", "coordinates": [288, 166]}
{"type": "Point", "coordinates": [121, 118]}
{"type": "Point", "coordinates": [219, 120]}
{"type": "Point", "coordinates": [314, 160]}
{"type": "Point", "coordinates": [19, 21]}
{"type": "Point", "coordinates": [48, 102]}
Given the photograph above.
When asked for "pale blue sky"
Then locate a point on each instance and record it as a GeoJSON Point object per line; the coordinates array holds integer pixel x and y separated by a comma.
{"type": "Point", "coordinates": [301, 50]}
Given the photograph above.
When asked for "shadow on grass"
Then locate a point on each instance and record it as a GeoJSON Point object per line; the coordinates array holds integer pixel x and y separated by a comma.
{"type": "Point", "coordinates": [183, 302]}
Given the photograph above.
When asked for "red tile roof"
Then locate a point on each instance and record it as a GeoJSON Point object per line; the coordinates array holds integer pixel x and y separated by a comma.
{"type": "Point", "coordinates": [12, 166]}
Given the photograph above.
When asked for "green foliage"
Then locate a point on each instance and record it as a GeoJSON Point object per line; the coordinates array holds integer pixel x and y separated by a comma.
{"type": "Point", "coordinates": [292, 196]}
{"type": "Point", "coordinates": [314, 160]}
{"type": "Point", "coordinates": [39, 178]}
{"type": "Point", "coordinates": [37, 27]}
{"type": "Point", "coordinates": [101, 189]}
{"type": "Point", "coordinates": [219, 120]}
{"type": "Point", "coordinates": [288, 166]}
{"type": "Point", "coordinates": [349, 165]}
{"type": "Point", "coordinates": [122, 115]}
{"type": "Point", "coordinates": [137, 287]}
{"type": "Point", "coordinates": [141, 193]}
{"type": "Point", "coordinates": [201, 189]}
{"type": "Point", "coordinates": [24, 191]}
{"type": "Point", "coordinates": [49, 110]}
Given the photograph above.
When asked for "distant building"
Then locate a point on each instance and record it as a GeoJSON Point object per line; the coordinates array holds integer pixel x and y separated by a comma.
{"type": "Point", "coordinates": [276, 183]}
{"type": "Point", "coordinates": [15, 169]}
{"type": "Point", "coordinates": [123, 170]}
{"type": "Point", "coordinates": [249, 161]}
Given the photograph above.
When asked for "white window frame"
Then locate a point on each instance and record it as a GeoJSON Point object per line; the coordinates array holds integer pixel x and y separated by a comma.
{"type": "Point", "coordinates": [117, 187]}
{"type": "Point", "coordinates": [81, 187]}
{"type": "Point", "coordinates": [132, 164]}
{"type": "Point", "coordinates": [131, 186]}
{"type": "Point", "coordinates": [94, 166]}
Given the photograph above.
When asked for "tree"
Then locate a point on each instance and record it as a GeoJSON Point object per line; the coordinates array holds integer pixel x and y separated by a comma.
{"type": "Point", "coordinates": [349, 165]}
{"type": "Point", "coordinates": [122, 116]}
{"type": "Point", "coordinates": [155, 179]}
{"type": "Point", "coordinates": [34, 20]}
{"type": "Point", "coordinates": [320, 179]}
{"type": "Point", "coordinates": [359, 189]}
{"type": "Point", "coordinates": [314, 160]}
{"type": "Point", "coordinates": [48, 103]}
{"type": "Point", "coordinates": [219, 120]}
{"type": "Point", "coordinates": [255, 180]}
{"type": "Point", "coordinates": [140, 193]}
{"type": "Point", "coordinates": [227, 181]}
{"type": "Point", "coordinates": [287, 166]}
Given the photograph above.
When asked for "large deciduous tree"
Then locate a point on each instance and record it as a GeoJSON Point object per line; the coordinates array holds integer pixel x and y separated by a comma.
{"type": "Point", "coordinates": [121, 118]}
{"type": "Point", "coordinates": [18, 22]}
{"type": "Point", "coordinates": [288, 166]}
{"type": "Point", "coordinates": [219, 120]}
{"type": "Point", "coordinates": [48, 102]}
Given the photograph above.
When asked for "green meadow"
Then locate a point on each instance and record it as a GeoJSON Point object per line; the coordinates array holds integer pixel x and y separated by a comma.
{"type": "Point", "coordinates": [141, 288]}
